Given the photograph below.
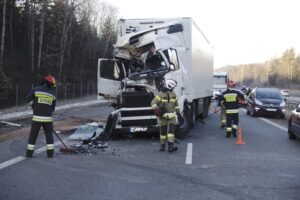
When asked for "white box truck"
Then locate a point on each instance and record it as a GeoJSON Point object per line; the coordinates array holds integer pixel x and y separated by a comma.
{"type": "Point", "coordinates": [183, 53]}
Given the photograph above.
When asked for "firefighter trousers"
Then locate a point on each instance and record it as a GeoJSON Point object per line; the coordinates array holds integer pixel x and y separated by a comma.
{"type": "Point", "coordinates": [232, 121]}
{"type": "Point", "coordinates": [48, 129]}
{"type": "Point", "coordinates": [223, 116]}
{"type": "Point", "coordinates": [167, 130]}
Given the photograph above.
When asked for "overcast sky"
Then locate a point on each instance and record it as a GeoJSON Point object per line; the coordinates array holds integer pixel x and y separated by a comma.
{"type": "Point", "coordinates": [241, 31]}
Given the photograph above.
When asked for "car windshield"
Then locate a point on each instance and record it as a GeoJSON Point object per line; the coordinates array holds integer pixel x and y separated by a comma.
{"type": "Point", "coordinates": [268, 94]}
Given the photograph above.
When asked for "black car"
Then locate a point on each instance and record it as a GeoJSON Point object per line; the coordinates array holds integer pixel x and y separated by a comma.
{"type": "Point", "coordinates": [266, 101]}
{"type": "Point", "coordinates": [294, 124]}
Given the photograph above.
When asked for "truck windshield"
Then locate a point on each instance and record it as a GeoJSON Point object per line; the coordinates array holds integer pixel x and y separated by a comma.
{"type": "Point", "coordinates": [220, 80]}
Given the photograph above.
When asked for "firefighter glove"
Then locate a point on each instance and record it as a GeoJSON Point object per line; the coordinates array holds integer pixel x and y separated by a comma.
{"type": "Point", "coordinates": [157, 112]}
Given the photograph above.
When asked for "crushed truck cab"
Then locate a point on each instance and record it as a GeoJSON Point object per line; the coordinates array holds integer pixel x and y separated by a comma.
{"type": "Point", "coordinates": [147, 51]}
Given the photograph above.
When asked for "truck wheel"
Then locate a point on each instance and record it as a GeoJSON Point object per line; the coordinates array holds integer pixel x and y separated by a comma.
{"type": "Point", "coordinates": [185, 124]}
{"type": "Point", "coordinates": [193, 114]}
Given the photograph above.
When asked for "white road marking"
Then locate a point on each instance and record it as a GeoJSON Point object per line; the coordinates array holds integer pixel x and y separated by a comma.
{"type": "Point", "coordinates": [21, 158]}
{"type": "Point", "coordinates": [269, 122]}
{"type": "Point", "coordinates": [274, 124]}
{"type": "Point", "coordinates": [11, 162]}
{"type": "Point", "coordinates": [189, 154]}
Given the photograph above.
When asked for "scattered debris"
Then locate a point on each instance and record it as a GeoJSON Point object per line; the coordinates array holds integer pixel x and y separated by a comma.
{"type": "Point", "coordinates": [90, 148]}
{"type": "Point", "coordinates": [10, 124]}
{"type": "Point", "coordinates": [87, 132]}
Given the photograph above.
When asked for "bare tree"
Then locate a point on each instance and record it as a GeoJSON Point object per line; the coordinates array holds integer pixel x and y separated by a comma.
{"type": "Point", "coordinates": [41, 37]}
{"type": "Point", "coordinates": [68, 17]}
{"type": "Point", "coordinates": [2, 36]}
{"type": "Point", "coordinates": [32, 33]}
{"type": "Point", "coordinates": [12, 3]}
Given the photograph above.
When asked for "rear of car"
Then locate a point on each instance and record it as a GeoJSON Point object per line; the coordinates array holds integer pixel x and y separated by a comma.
{"type": "Point", "coordinates": [266, 101]}
{"type": "Point", "coordinates": [285, 93]}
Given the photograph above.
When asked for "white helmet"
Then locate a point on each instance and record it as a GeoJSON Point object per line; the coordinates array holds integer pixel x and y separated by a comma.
{"type": "Point", "coordinates": [170, 84]}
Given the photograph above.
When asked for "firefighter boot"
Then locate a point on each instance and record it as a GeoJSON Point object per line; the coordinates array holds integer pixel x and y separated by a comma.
{"type": "Point", "coordinates": [228, 134]}
{"type": "Point", "coordinates": [29, 153]}
{"type": "Point", "coordinates": [162, 147]}
{"type": "Point", "coordinates": [234, 133]}
{"type": "Point", "coordinates": [171, 147]}
{"type": "Point", "coordinates": [50, 153]}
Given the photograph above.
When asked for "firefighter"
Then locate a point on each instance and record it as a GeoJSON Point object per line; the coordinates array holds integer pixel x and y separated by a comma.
{"type": "Point", "coordinates": [43, 105]}
{"type": "Point", "coordinates": [165, 107]}
{"type": "Point", "coordinates": [231, 99]}
{"type": "Point", "coordinates": [223, 112]}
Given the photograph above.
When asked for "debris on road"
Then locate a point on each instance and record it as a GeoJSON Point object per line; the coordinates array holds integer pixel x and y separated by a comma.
{"type": "Point", "coordinates": [87, 132]}
{"type": "Point", "coordinates": [10, 124]}
{"type": "Point", "coordinates": [92, 148]}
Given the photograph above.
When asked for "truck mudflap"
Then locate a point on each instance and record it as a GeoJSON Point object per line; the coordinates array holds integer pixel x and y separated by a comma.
{"type": "Point", "coordinates": [109, 127]}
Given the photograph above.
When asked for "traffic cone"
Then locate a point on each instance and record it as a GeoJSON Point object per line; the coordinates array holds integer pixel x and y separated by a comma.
{"type": "Point", "coordinates": [239, 139]}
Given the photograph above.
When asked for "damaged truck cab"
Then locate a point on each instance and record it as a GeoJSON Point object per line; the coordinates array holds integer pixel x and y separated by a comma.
{"type": "Point", "coordinates": [147, 51]}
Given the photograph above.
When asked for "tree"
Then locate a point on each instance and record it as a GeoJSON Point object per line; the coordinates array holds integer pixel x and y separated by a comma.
{"type": "Point", "coordinates": [42, 28]}
{"type": "Point", "coordinates": [5, 84]}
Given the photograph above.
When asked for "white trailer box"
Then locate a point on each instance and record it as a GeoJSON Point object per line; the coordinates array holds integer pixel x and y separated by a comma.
{"type": "Point", "coordinates": [183, 54]}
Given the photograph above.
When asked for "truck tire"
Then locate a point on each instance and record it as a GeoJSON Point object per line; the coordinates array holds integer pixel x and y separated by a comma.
{"type": "Point", "coordinates": [193, 114]}
{"type": "Point", "coordinates": [184, 126]}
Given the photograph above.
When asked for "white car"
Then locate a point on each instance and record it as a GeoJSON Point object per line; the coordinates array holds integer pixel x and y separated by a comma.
{"type": "Point", "coordinates": [285, 93]}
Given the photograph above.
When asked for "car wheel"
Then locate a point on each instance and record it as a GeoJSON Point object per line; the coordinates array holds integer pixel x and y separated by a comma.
{"type": "Point", "coordinates": [252, 112]}
{"type": "Point", "coordinates": [290, 132]}
{"type": "Point", "coordinates": [247, 110]}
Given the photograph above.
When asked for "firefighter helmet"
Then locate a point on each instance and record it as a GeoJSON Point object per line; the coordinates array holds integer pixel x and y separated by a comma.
{"type": "Point", "coordinates": [50, 81]}
{"type": "Point", "coordinates": [170, 84]}
{"type": "Point", "coordinates": [230, 84]}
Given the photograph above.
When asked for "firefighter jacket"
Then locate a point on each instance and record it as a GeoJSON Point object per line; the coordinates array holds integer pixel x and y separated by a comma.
{"type": "Point", "coordinates": [167, 103]}
{"type": "Point", "coordinates": [230, 99]}
{"type": "Point", "coordinates": [44, 102]}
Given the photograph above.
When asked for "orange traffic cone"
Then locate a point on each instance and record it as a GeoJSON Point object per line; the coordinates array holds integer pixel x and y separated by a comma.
{"type": "Point", "coordinates": [239, 139]}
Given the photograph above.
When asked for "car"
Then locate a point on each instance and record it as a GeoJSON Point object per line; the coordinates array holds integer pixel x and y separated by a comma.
{"type": "Point", "coordinates": [285, 93]}
{"type": "Point", "coordinates": [294, 124]}
{"type": "Point", "coordinates": [266, 101]}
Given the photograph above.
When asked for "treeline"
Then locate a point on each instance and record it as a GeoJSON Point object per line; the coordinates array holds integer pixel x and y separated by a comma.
{"type": "Point", "coordinates": [281, 72]}
{"type": "Point", "coordinates": [63, 38]}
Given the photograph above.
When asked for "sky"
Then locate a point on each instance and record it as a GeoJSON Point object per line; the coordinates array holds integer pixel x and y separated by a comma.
{"type": "Point", "coordinates": [241, 31]}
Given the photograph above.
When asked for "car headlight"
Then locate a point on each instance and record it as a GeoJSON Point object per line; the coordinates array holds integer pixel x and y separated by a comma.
{"type": "Point", "coordinates": [282, 104]}
{"type": "Point", "coordinates": [257, 102]}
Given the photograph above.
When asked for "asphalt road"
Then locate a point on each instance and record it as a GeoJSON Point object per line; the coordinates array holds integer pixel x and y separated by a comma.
{"type": "Point", "coordinates": [207, 166]}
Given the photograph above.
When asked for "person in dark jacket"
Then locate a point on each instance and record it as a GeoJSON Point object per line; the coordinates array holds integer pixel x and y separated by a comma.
{"type": "Point", "coordinates": [165, 107]}
{"type": "Point", "coordinates": [223, 112]}
{"type": "Point", "coordinates": [231, 99]}
{"type": "Point", "coordinates": [43, 105]}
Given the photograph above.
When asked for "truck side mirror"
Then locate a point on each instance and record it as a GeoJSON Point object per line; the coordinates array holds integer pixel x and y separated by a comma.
{"type": "Point", "coordinates": [173, 59]}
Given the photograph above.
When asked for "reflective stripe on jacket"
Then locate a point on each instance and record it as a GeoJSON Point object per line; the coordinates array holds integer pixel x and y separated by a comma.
{"type": "Point", "coordinates": [166, 101]}
{"type": "Point", "coordinates": [44, 102]}
{"type": "Point", "coordinates": [230, 100]}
